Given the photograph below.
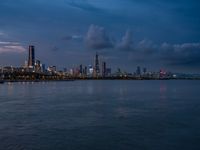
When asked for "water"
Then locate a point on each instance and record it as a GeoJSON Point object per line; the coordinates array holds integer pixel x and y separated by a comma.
{"type": "Point", "coordinates": [100, 115]}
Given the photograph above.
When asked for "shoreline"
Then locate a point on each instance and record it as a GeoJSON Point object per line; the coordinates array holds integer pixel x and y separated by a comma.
{"type": "Point", "coordinates": [106, 79]}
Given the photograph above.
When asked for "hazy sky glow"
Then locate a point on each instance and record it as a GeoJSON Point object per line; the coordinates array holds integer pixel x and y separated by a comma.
{"type": "Point", "coordinates": [127, 33]}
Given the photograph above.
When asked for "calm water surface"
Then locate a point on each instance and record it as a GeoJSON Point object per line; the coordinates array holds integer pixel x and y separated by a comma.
{"type": "Point", "coordinates": [100, 115]}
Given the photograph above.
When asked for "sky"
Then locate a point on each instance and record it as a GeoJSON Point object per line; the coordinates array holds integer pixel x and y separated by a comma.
{"type": "Point", "coordinates": [126, 33]}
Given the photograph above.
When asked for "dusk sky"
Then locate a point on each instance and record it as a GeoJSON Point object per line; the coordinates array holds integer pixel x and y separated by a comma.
{"type": "Point", "coordinates": [126, 33]}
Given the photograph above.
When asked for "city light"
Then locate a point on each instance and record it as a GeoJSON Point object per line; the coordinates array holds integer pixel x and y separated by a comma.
{"type": "Point", "coordinates": [34, 70]}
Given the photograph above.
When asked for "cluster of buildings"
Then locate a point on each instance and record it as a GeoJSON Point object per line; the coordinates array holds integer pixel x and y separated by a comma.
{"type": "Point", "coordinates": [98, 69]}
{"type": "Point", "coordinates": [34, 66]}
{"type": "Point", "coordinates": [34, 69]}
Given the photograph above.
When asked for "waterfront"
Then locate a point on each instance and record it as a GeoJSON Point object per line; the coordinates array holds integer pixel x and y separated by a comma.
{"type": "Point", "coordinates": [98, 115]}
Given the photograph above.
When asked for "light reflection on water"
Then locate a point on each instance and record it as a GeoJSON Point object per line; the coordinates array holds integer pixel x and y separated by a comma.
{"type": "Point", "coordinates": [100, 115]}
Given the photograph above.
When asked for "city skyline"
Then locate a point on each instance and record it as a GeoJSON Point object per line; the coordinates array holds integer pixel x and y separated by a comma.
{"type": "Point", "coordinates": [128, 34]}
{"type": "Point", "coordinates": [36, 70]}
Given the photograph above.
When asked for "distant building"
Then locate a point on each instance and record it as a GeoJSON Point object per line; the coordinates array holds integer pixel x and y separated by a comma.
{"type": "Point", "coordinates": [51, 69]}
{"type": "Point", "coordinates": [81, 69]}
{"type": "Point", "coordinates": [103, 69]}
{"type": "Point", "coordinates": [85, 71]}
{"type": "Point", "coordinates": [31, 56]}
{"type": "Point", "coordinates": [138, 71]}
{"type": "Point", "coordinates": [76, 72]}
{"type": "Point", "coordinates": [108, 71]}
{"type": "Point", "coordinates": [37, 66]}
{"type": "Point", "coordinates": [71, 72]}
{"type": "Point", "coordinates": [91, 70]}
{"type": "Point", "coordinates": [162, 73]}
{"type": "Point", "coordinates": [65, 70]}
{"type": "Point", "coordinates": [8, 69]}
{"type": "Point", "coordinates": [144, 70]}
{"type": "Point", "coordinates": [25, 64]}
{"type": "Point", "coordinates": [96, 66]}
{"type": "Point", "coordinates": [43, 68]}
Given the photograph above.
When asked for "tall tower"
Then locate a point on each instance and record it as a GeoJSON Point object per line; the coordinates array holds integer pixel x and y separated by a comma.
{"type": "Point", "coordinates": [31, 56]}
{"type": "Point", "coordinates": [96, 65]}
{"type": "Point", "coordinates": [81, 69]}
{"type": "Point", "coordinates": [138, 71]}
{"type": "Point", "coordinates": [103, 69]}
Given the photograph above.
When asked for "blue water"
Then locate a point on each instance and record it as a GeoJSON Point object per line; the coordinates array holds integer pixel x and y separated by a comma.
{"type": "Point", "coordinates": [100, 115]}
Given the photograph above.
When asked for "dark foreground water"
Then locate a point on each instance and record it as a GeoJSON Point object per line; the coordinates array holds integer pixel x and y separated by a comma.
{"type": "Point", "coordinates": [100, 115]}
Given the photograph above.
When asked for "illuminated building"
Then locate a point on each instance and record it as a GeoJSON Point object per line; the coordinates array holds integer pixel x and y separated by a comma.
{"type": "Point", "coordinates": [8, 69]}
{"type": "Point", "coordinates": [42, 66]}
{"type": "Point", "coordinates": [85, 71]}
{"type": "Point", "coordinates": [37, 66]}
{"type": "Point", "coordinates": [26, 64]}
{"type": "Point", "coordinates": [52, 69]}
{"type": "Point", "coordinates": [96, 66]}
{"type": "Point", "coordinates": [31, 56]}
{"type": "Point", "coordinates": [71, 72]}
{"type": "Point", "coordinates": [91, 70]}
{"type": "Point", "coordinates": [162, 73]}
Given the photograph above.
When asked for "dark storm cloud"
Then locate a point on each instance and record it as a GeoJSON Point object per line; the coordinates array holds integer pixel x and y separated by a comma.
{"type": "Point", "coordinates": [97, 38]}
{"type": "Point", "coordinates": [126, 42]}
{"type": "Point", "coordinates": [147, 47]}
{"type": "Point", "coordinates": [186, 54]}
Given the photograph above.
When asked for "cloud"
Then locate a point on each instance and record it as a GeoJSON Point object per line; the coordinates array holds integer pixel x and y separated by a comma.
{"type": "Point", "coordinates": [14, 47]}
{"type": "Point", "coordinates": [145, 50]}
{"type": "Point", "coordinates": [126, 42]}
{"type": "Point", "coordinates": [83, 5]}
{"type": "Point", "coordinates": [186, 54]}
{"type": "Point", "coordinates": [1, 33]}
{"type": "Point", "coordinates": [181, 54]}
{"type": "Point", "coordinates": [77, 37]}
{"type": "Point", "coordinates": [55, 49]}
{"type": "Point", "coordinates": [147, 47]}
{"type": "Point", "coordinates": [9, 43]}
{"type": "Point", "coordinates": [97, 38]}
{"type": "Point", "coordinates": [72, 37]}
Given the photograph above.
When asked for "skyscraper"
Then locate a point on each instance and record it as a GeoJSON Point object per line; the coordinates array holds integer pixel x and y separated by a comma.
{"type": "Point", "coordinates": [37, 66]}
{"type": "Point", "coordinates": [103, 69]}
{"type": "Point", "coordinates": [91, 70]}
{"type": "Point", "coordinates": [31, 56]}
{"type": "Point", "coordinates": [96, 65]}
{"type": "Point", "coordinates": [138, 71]}
{"type": "Point", "coordinates": [85, 71]}
{"type": "Point", "coordinates": [144, 70]}
{"type": "Point", "coordinates": [81, 69]}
